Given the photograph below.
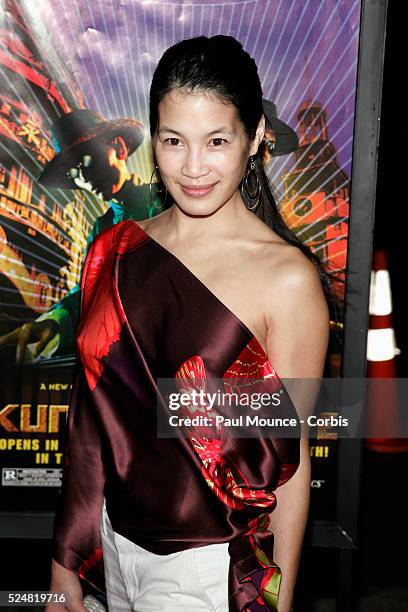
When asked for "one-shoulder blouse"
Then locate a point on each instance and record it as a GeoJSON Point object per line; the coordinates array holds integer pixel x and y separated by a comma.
{"type": "Point", "coordinates": [144, 317]}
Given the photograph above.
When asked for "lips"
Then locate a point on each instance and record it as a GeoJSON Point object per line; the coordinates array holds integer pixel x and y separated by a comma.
{"type": "Point", "coordinates": [197, 190]}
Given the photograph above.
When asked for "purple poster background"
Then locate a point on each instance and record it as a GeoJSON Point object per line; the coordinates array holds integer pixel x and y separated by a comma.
{"type": "Point", "coordinates": [58, 56]}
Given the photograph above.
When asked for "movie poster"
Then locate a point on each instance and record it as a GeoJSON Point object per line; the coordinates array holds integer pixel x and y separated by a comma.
{"type": "Point", "coordinates": [72, 72]}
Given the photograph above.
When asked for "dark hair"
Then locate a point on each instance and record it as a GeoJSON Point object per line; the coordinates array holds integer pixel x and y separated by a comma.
{"type": "Point", "coordinates": [220, 67]}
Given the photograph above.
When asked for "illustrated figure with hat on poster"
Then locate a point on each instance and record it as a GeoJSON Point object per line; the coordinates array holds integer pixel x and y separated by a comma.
{"type": "Point", "coordinates": [92, 156]}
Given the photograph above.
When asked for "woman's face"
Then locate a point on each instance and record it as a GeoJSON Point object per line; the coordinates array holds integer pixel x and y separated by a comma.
{"type": "Point", "coordinates": [202, 151]}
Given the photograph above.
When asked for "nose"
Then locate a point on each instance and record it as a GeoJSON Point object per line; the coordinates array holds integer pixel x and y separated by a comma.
{"type": "Point", "coordinates": [194, 164]}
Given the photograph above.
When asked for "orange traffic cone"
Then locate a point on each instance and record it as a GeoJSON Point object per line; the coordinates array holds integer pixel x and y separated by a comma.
{"type": "Point", "coordinates": [382, 405]}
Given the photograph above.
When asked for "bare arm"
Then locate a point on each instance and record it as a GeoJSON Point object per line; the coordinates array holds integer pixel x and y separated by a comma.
{"type": "Point", "coordinates": [297, 339]}
{"type": "Point", "coordinates": [65, 581]}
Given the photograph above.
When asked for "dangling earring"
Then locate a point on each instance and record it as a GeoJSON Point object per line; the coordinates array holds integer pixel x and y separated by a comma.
{"type": "Point", "coordinates": [164, 188]}
{"type": "Point", "coordinates": [252, 194]}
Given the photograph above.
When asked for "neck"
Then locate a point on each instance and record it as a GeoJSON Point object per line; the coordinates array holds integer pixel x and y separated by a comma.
{"type": "Point", "coordinates": [226, 222]}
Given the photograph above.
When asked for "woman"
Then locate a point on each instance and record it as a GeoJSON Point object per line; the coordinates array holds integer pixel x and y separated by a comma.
{"type": "Point", "coordinates": [215, 286]}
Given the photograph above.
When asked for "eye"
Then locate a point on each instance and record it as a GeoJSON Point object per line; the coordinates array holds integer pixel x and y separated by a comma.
{"type": "Point", "coordinates": [218, 141]}
{"type": "Point", "coordinates": [171, 141]}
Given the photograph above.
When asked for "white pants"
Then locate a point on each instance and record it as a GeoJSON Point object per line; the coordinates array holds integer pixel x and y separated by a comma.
{"type": "Point", "coordinates": [137, 580]}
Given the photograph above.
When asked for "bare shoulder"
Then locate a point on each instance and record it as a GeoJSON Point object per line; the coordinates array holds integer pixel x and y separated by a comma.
{"type": "Point", "coordinates": [296, 313]}
{"type": "Point", "coordinates": [293, 269]}
{"type": "Point", "coordinates": [284, 262]}
{"type": "Point", "coordinates": [291, 282]}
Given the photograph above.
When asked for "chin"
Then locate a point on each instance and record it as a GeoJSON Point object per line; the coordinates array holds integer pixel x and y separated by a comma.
{"type": "Point", "coordinates": [199, 208]}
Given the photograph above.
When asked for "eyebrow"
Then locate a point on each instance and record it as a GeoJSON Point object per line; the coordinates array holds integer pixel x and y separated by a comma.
{"type": "Point", "coordinates": [222, 130]}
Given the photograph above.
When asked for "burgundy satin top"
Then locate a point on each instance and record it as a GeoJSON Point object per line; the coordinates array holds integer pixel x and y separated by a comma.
{"type": "Point", "coordinates": [144, 316]}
